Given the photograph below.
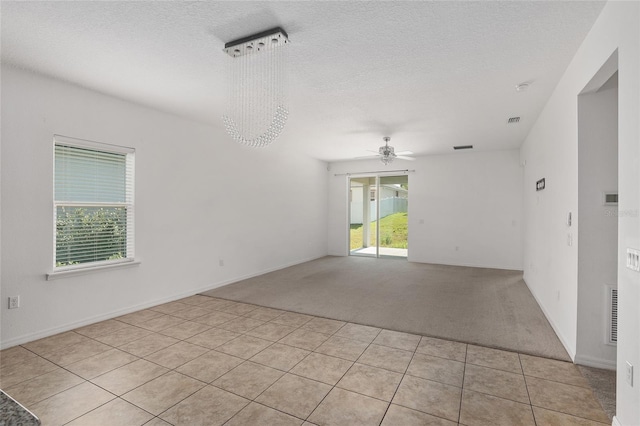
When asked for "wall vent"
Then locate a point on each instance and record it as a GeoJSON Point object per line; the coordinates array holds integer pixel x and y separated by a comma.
{"type": "Point", "coordinates": [463, 147]}
{"type": "Point", "coordinates": [513, 120]}
{"type": "Point", "coordinates": [612, 315]}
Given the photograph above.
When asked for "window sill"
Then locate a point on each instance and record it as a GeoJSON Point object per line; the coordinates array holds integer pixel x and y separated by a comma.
{"type": "Point", "coordinates": [90, 270]}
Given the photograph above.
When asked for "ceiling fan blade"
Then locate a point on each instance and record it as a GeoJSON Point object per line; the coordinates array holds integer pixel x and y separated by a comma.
{"type": "Point", "coordinates": [404, 153]}
{"type": "Point", "coordinates": [370, 150]}
{"type": "Point", "coordinates": [402, 157]}
{"type": "Point", "coordinates": [369, 157]}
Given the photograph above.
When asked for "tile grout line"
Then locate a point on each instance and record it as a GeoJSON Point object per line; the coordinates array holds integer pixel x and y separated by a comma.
{"type": "Point", "coordinates": [338, 381]}
{"type": "Point", "coordinates": [563, 384]}
{"type": "Point", "coordinates": [271, 343]}
{"type": "Point", "coordinates": [526, 386]}
{"type": "Point", "coordinates": [94, 384]}
{"type": "Point", "coordinates": [169, 408]}
{"type": "Point", "coordinates": [335, 333]}
{"type": "Point", "coordinates": [146, 382]}
{"type": "Point", "coordinates": [177, 372]}
{"type": "Point", "coordinates": [108, 402]}
{"type": "Point", "coordinates": [300, 327]}
{"type": "Point", "coordinates": [284, 373]}
{"type": "Point", "coordinates": [464, 374]}
{"type": "Point", "coordinates": [401, 379]}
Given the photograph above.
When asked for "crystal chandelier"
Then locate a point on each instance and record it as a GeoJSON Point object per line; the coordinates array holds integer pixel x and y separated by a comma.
{"type": "Point", "coordinates": [256, 108]}
{"type": "Point", "coordinates": [386, 152]}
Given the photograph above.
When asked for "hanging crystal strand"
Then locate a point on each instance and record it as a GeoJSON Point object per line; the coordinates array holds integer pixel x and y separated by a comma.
{"type": "Point", "coordinates": [269, 80]}
{"type": "Point", "coordinates": [275, 101]}
{"type": "Point", "coordinates": [257, 109]}
{"type": "Point", "coordinates": [239, 118]}
{"type": "Point", "coordinates": [271, 71]}
{"type": "Point", "coordinates": [246, 99]}
{"type": "Point", "coordinates": [267, 76]}
{"type": "Point", "coordinates": [261, 97]}
{"type": "Point", "coordinates": [239, 98]}
{"type": "Point", "coordinates": [249, 94]}
{"type": "Point", "coordinates": [255, 97]}
{"type": "Point", "coordinates": [233, 112]}
{"type": "Point", "coordinates": [242, 99]}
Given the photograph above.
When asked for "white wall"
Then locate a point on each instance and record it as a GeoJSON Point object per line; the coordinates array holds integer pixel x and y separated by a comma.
{"type": "Point", "coordinates": [597, 222]}
{"type": "Point", "coordinates": [551, 151]}
{"type": "Point", "coordinates": [469, 200]}
{"type": "Point", "coordinates": [200, 197]}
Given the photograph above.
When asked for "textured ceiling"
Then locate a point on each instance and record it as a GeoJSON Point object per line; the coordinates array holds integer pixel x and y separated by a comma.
{"type": "Point", "coordinates": [429, 74]}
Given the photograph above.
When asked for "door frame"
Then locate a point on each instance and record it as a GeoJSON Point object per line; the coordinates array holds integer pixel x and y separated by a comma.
{"type": "Point", "coordinates": [378, 176]}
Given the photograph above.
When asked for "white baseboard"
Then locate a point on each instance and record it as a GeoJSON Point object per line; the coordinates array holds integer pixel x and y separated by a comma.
{"type": "Point", "coordinates": [465, 264]}
{"type": "Point", "coordinates": [413, 259]}
{"type": "Point", "coordinates": [563, 340]}
{"type": "Point", "coordinates": [113, 314]}
{"type": "Point", "coordinates": [616, 422]}
{"type": "Point", "coordinates": [102, 317]}
{"type": "Point", "coordinates": [588, 361]}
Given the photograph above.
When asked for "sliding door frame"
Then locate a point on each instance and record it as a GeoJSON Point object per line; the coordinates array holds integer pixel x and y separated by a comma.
{"type": "Point", "coordinates": [366, 198]}
{"type": "Point", "coordinates": [377, 177]}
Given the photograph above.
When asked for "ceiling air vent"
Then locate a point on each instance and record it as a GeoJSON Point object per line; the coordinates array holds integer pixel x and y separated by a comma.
{"type": "Point", "coordinates": [463, 147]}
{"type": "Point", "coordinates": [513, 120]}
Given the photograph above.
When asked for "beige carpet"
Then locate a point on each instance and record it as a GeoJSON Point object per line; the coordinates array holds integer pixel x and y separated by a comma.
{"type": "Point", "coordinates": [603, 383]}
{"type": "Point", "coordinates": [489, 307]}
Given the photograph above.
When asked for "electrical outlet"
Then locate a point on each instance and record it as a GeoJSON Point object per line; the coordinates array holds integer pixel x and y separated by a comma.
{"type": "Point", "coordinates": [629, 373]}
{"type": "Point", "coordinates": [14, 302]}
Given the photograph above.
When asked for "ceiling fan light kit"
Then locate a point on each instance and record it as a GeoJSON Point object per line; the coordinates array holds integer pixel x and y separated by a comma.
{"type": "Point", "coordinates": [387, 153]}
{"type": "Point", "coordinates": [256, 106]}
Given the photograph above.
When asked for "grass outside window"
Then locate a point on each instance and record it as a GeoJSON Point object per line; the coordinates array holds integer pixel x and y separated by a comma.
{"type": "Point", "coordinates": [393, 232]}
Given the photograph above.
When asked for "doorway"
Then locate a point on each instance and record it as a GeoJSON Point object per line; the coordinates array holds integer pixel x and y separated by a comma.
{"type": "Point", "coordinates": [598, 219]}
{"type": "Point", "coordinates": [378, 216]}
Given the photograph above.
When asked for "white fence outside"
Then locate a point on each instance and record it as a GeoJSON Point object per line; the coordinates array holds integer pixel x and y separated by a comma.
{"type": "Point", "coordinates": [387, 206]}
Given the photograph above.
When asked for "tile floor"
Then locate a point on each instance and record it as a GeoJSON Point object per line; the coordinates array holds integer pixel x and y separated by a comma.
{"type": "Point", "coordinates": [208, 361]}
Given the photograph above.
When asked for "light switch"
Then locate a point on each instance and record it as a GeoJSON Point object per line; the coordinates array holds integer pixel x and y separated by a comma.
{"type": "Point", "coordinates": [633, 259]}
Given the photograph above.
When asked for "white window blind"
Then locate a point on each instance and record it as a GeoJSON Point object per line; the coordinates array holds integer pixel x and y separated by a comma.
{"type": "Point", "coordinates": [93, 203]}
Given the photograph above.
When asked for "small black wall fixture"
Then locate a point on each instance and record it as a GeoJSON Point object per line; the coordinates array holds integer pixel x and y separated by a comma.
{"type": "Point", "coordinates": [540, 185]}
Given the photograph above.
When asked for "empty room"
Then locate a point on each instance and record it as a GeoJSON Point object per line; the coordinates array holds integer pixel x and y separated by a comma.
{"type": "Point", "coordinates": [320, 213]}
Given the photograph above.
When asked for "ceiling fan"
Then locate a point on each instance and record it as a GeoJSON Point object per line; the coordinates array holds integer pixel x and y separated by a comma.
{"type": "Point", "coordinates": [387, 153]}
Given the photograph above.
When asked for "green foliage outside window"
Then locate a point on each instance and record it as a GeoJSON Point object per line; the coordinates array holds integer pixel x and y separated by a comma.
{"type": "Point", "coordinates": [393, 232]}
{"type": "Point", "coordinates": [90, 234]}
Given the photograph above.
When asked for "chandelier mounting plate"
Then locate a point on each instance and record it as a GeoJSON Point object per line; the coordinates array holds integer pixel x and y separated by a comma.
{"type": "Point", "coordinates": [269, 39]}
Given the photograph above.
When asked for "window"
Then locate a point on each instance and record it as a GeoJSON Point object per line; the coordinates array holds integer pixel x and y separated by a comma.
{"type": "Point", "coordinates": [93, 203]}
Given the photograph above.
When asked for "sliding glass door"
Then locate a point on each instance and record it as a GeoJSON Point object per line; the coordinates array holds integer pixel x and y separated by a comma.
{"type": "Point", "coordinates": [362, 212]}
{"type": "Point", "coordinates": [378, 221]}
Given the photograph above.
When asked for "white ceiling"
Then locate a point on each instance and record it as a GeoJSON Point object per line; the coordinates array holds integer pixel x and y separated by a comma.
{"type": "Point", "coordinates": [429, 74]}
